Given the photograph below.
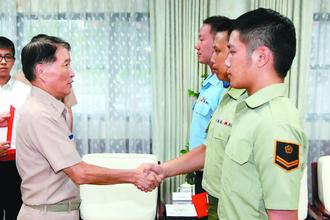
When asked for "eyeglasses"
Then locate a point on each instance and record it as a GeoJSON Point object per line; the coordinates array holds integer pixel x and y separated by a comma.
{"type": "Point", "coordinates": [8, 58]}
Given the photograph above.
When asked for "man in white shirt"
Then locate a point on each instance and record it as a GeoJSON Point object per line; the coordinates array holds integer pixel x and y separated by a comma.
{"type": "Point", "coordinates": [12, 93]}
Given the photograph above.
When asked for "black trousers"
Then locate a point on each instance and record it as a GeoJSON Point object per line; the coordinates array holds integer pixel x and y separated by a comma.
{"type": "Point", "coordinates": [10, 184]}
{"type": "Point", "coordinates": [198, 182]}
{"type": "Point", "coordinates": [198, 185]}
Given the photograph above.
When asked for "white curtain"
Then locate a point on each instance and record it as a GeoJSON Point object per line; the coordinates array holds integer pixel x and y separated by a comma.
{"type": "Point", "coordinates": [111, 59]}
{"type": "Point", "coordinates": [318, 111]}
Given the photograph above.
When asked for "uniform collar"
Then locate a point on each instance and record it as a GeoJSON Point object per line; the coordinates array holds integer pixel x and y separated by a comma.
{"type": "Point", "coordinates": [43, 96]}
{"type": "Point", "coordinates": [266, 94]}
{"type": "Point", "coordinates": [212, 79]}
{"type": "Point", "coordinates": [235, 93]}
{"type": "Point", "coordinates": [9, 84]}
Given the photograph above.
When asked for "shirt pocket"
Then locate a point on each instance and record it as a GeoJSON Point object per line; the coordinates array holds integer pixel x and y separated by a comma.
{"type": "Point", "coordinates": [239, 151]}
{"type": "Point", "coordinates": [221, 132]}
{"type": "Point", "coordinates": [241, 177]}
{"type": "Point", "coordinates": [237, 165]}
{"type": "Point", "coordinates": [202, 108]}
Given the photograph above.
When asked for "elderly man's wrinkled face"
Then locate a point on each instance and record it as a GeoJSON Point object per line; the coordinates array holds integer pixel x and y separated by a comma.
{"type": "Point", "coordinates": [58, 75]}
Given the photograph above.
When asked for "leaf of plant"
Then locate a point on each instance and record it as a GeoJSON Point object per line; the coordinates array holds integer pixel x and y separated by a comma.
{"type": "Point", "coordinates": [183, 151]}
{"type": "Point", "coordinates": [193, 93]}
{"type": "Point", "coordinates": [204, 76]}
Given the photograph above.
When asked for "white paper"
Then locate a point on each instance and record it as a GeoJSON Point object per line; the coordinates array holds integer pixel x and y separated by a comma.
{"type": "Point", "coordinates": [187, 210]}
{"type": "Point", "coordinates": [181, 196]}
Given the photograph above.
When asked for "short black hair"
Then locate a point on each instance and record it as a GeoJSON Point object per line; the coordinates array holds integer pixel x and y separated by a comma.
{"type": "Point", "coordinates": [41, 49]}
{"type": "Point", "coordinates": [226, 24]}
{"type": "Point", "coordinates": [5, 43]}
{"type": "Point", "coordinates": [219, 24]}
{"type": "Point", "coordinates": [39, 37]}
{"type": "Point", "coordinates": [266, 27]}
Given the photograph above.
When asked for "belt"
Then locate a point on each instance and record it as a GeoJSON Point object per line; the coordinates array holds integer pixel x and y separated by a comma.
{"type": "Point", "coordinates": [58, 207]}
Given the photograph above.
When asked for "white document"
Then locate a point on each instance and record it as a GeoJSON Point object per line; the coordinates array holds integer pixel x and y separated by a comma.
{"type": "Point", "coordinates": [181, 196]}
{"type": "Point", "coordinates": [187, 210]}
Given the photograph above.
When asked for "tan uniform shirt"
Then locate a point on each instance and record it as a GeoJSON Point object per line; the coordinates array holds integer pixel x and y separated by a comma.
{"type": "Point", "coordinates": [69, 100]}
{"type": "Point", "coordinates": [46, 148]}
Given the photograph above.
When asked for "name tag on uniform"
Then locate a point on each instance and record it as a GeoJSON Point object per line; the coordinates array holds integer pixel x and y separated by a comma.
{"type": "Point", "coordinates": [203, 99]}
{"type": "Point", "coordinates": [223, 122]}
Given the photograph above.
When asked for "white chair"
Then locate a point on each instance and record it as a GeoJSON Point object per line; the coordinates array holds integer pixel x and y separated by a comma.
{"type": "Point", "coordinates": [121, 201]}
{"type": "Point", "coordinates": [303, 197]}
{"type": "Point", "coordinates": [320, 207]}
{"type": "Point", "coordinates": [323, 179]}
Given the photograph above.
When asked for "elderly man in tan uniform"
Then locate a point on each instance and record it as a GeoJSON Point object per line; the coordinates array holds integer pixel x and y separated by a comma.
{"type": "Point", "coordinates": [69, 100]}
{"type": "Point", "coordinates": [47, 160]}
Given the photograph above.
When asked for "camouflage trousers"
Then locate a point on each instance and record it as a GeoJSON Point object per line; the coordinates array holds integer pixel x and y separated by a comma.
{"type": "Point", "coordinates": [213, 208]}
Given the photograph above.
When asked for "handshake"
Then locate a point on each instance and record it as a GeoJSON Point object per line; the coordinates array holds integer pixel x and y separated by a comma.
{"type": "Point", "coordinates": [149, 176]}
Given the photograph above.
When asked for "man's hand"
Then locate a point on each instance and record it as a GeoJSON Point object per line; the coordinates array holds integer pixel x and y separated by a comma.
{"type": "Point", "coordinates": [158, 170]}
{"type": "Point", "coordinates": [3, 148]}
{"type": "Point", "coordinates": [4, 119]}
{"type": "Point", "coordinates": [145, 180]}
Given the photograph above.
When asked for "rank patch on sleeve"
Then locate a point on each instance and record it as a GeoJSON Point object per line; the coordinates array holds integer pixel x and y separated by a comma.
{"type": "Point", "coordinates": [286, 155]}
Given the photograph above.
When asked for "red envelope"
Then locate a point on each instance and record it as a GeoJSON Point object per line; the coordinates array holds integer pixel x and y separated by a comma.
{"type": "Point", "coordinates": [10, 123]}
{"type": "Point", "coordinates": [10, 156]}
{"type": "Point", "coordinates": [10, 152]}
{"type": "Point", "coordinates": [200, 202]}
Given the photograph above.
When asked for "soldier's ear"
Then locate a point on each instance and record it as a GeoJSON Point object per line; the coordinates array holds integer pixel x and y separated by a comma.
{"type": "Point", "coordinates": [262, 56]}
